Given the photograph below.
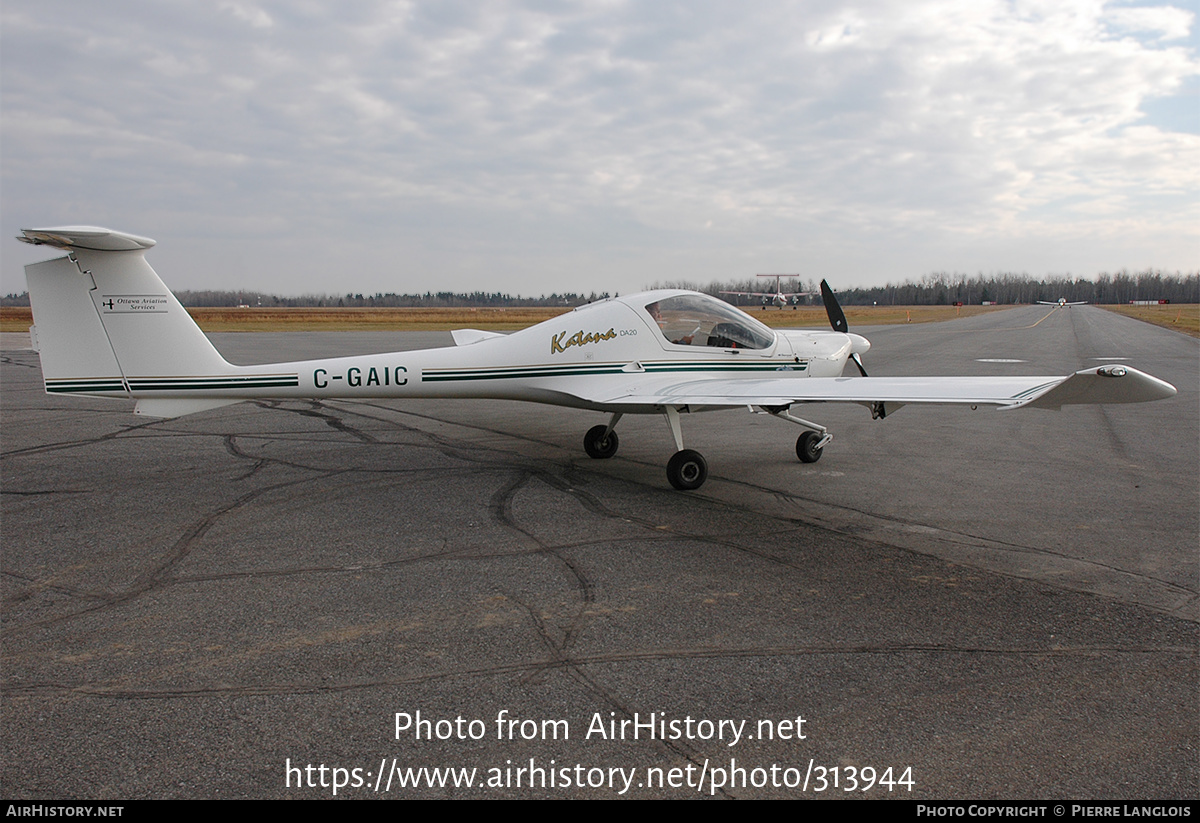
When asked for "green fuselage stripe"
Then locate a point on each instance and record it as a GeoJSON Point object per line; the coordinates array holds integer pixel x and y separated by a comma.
{"type": "Point", "coordinates": [508, 372]}
{"type": "Point", "coordinates": [150, 384]}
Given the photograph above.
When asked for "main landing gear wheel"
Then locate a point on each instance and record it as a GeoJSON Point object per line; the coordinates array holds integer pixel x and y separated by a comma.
{"type": "Point", "coordinates": [687, 470]}
{"type": "Point", "coordinates": [599, 445]}
{"type": "Point", "coordinates": [806, 447]}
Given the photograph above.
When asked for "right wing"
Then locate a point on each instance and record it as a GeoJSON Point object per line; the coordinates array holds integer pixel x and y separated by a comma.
{"type": "Point", "coordinates": [1104, 384]}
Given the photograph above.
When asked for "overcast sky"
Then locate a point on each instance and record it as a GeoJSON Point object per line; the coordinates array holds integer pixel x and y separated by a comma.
{"type": "Point", "coordinates": [538, 147]}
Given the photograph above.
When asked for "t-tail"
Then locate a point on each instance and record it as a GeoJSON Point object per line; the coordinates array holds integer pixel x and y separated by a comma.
{"type": "Point", "coordinates": [105, 324]}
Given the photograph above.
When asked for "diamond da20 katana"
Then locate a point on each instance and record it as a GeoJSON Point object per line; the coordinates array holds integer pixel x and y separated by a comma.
{"type": "Point", "coordinates": [105, 325]}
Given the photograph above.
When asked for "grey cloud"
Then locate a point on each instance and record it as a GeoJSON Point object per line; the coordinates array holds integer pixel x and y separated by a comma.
{"type": "Point", "coordinates": [552, 137]}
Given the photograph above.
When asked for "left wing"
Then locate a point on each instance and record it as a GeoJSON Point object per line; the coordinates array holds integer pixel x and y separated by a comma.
{"type": "Point", "coordinates": [1103, 384]}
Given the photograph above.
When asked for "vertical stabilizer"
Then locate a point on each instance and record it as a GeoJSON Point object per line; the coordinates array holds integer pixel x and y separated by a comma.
{"type": "Point", "coordinates": [106, 324]}
{"type": "Point", "coordinates": [151, 333]}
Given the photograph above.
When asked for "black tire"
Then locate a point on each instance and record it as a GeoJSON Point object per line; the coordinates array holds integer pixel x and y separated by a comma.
{"type": "Point", "coordinates": [687, 470]}
{"type": "Point", "coordinates": [597, 445]}
{"type": "Point", "coordinates": [806, 447]}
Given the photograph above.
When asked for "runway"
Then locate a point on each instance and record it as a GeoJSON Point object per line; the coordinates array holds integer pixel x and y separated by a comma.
{"type": "Point", "coordinates": [997, 604]}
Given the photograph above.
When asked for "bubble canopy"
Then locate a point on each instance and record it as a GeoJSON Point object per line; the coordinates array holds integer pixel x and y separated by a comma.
{"type": "Point", "coordinates": [701, 320]}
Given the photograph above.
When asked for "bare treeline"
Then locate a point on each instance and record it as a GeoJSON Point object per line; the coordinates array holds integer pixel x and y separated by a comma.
{"type": "Point", "coordinates": [429, 300]}
{"type": "Point", "coordinates": [231, 299]}
{"type": "Point", "coordinates": [932, 289]}
{"type": "Point", "coordinates": [944, 289]}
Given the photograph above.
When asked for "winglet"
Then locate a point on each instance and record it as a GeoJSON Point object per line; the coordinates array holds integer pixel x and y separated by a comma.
{"type": "Point", "coordinates": [1103, 384]}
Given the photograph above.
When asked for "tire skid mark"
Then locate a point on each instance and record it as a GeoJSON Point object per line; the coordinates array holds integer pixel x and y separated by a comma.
{"type": "Point", "coordinates": [257, 463]}
{"type": "Point", "coordinates": [501, 507]}
{"type": "Point", "coordinates": [501, 510]}
{"type": "Point", "coordinates": [962, 538]}
{"type": "Point", "coordinates": [41, 492]}
{"type": "Point", "coordinates": [87, 441]}
{"type": "Point", "coordinates": [448, 447]}
{"type": "Point", "coordinates": [243, 452]}
{"type": "Point", "coordinates": [9, 360]}
{"type": "Point", "coordinates": [34, 585]}
{"type": "Point", "coordinates": [159, 575]}
{"type": "Point", "coordinates": [434, 418]}
{"type": "Point", "coordinates": [559, 652]}
{"type": "Point", "coordinates": [848, 529]}
{"type": "Point", "coordinates": [576, 670]}
{"type": "Point", "coordinates": [318, 410]}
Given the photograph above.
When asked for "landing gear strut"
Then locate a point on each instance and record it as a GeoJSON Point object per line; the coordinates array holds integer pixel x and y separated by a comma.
{"type": "Point", "coordinates": [687, 469]}
{"type": "Point", "coordinates": [811, 444]}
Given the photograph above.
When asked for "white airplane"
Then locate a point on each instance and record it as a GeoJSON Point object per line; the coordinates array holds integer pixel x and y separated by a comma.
{"type": "Point", "coordinates": [107, 326]}
{"type": "Point", "coordinates": [1061, 303]}
{"type": "Point", "coordinates": [778, 297]}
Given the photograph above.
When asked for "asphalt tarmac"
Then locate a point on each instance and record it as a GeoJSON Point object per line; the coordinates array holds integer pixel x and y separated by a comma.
{"type": "Point", "coordinates": [959, 604]}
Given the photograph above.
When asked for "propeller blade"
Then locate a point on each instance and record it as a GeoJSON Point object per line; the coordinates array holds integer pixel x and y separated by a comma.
{"type": "Point", "coordinates": [858, 362]}
{"type": "Point", "coordinates": [837, 317]}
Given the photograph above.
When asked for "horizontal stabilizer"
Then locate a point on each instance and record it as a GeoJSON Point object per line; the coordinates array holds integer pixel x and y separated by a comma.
{"type": "Point", "coordinates": [92, 238]}
{"type": "Point", "coordinates": [465, 337]}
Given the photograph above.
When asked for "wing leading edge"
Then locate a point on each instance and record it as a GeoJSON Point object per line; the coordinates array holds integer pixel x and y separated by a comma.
{"type": "Point", "coordinates": [1104, 384]}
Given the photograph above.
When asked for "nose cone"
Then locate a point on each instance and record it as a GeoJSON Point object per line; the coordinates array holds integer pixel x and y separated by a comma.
{"type": "Point", "coordinates": [859, 344]}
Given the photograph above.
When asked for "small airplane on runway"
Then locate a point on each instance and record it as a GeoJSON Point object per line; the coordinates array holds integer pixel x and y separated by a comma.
{"type": "Point", "coordinates": [107, 326]}
{"type": "Point", "coordinates": [1061, 303]}
{"type": "Point", "coordinates": [776, 298]}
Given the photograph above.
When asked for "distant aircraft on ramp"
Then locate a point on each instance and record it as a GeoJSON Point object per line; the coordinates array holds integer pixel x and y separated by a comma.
{"type": "Point", "coordinates": [776, 298]}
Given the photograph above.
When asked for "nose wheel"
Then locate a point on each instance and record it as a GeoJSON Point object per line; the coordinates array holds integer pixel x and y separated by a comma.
{"type": "Point", "coordinates": [809, 447]}
{"type": "Point", "coordinates": [600, 442]}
